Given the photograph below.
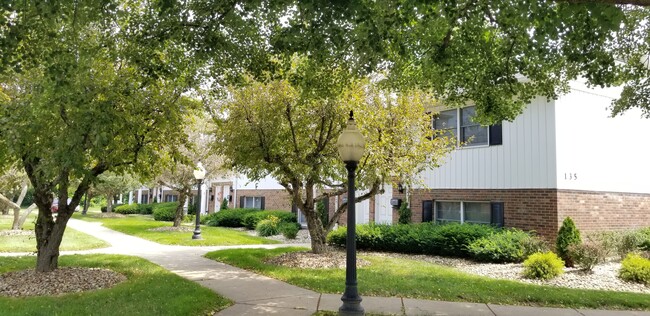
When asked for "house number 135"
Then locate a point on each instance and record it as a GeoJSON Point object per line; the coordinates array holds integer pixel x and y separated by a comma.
{"type": "Point", "coordinates": [570, 176]}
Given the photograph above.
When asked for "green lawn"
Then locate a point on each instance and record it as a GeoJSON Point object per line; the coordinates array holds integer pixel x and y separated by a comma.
{"type": "Point", "coordinates": [72, 239]}
{"type": "Point", "coordinates": [139, 225]}
{"type": "Point", "coordinates": [417, 279]}
{"type": "Point", "coordinates": [149, 290]}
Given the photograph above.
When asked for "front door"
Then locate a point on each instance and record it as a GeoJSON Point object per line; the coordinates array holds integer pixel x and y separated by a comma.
{"type": "Point", "coordinates": [383, 209]}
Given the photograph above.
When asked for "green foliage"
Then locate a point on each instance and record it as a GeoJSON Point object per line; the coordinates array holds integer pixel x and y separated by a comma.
{"type": "Point", "coordinates": [191, 209]}
{"type": "Point", "coordinates": [567, 236]}
{"type": "Point", "coordinates": [145, 209]}
{"type": "Point", "coordinates": [543, 266]}
{"type": "Point", "coordinates": [128, 209]}
{"type": "Point", "coordinates": [29, 198]}
{"type": "Point", "coordinates": [289, 230]}
{"type": "Point", "coordinates": [405, 214]}
{"type": "Point", "coordinates": [587, 255]}
{"type": "Point", "coordinates": [269, 226]}
{"type": "Point", "coordinates": [425, 238]}
{"type": "Point", "coordinates": [507, 245]}
{"type": "Point", "coordinates": [322, 212]}
{"type": "Point", "coordinates": [635, 268]}
{"type": "Point", "coordinates": [228, 217]}
{"type": "Point", "coordinates": [251, 219]}
{"type": "Point", "coordinates": [165, 211]}
{"type": "Point", "coordinates": [103, 208]}
{"type": "Point", "coordinates": [224, 204]}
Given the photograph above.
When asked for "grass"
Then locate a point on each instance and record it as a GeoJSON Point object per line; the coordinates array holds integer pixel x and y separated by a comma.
{"type": "Point", "coordinates": [140, 225]}
{"type": "Point", "coordinates": [72, 239]}
{"type": "Point", "coordinates": [417, 279]}
{"type": "Point", "coordinates": [149, 290]}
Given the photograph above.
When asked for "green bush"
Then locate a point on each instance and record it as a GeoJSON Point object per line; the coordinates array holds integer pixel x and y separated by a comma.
{"type": "Point", "coordinates": [191, 209]}
{"type": "Point", "coordinates": [250, 220]}
{"type": "Point", "coordinates": [103, 208]}
{"type": "Point", "coordinates": [587, 255]}
{"type": "Point", "coordinates": [567, 236]}
{"type": "Point", "coordinates": [405, 214]}
{"type": "Point", "coordinates": [507, 245]}
{"type": "Point", "coordinates": [635, 268]}
{"type": "Point", "coordinates": [630, 242]}
{"type": "Point", "coordinates": [228, 218]}
{"type": "Point", "coordinates": [543, 266]}
{"type": "Point", "coordinates": [224, 204]}
{"type": "Point", "coordinates": [289, 230]}
{"type": "Point", "coordinates": [165, 211]}
{"type": "Point", "coordinates": [268, 227]}
{"type": "Point", "coordinates": [645, 241]}
{"type": "Point", "coordinates": [145, 209]}
{"type": "Point", "coordinates": [425, 238]}
{"type": "Point", "coordinates": [127, 209]}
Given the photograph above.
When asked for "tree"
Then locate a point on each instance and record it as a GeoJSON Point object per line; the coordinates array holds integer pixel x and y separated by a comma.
{"type": "Point", "coordinates": [274, 129]}
{"type": "Point", "coordinates": [87, 89]}
{"type": "Point", "coordinates": [111, 184]}
{"type": "Point", "coordinates": [180, 175]}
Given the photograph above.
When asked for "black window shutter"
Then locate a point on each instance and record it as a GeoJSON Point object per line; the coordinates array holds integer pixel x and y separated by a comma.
{"type": "Point", "coordinates": [497, 213]}
{"type": "Point", "coordinates": [431, 123]}
{"type": "Point", "coordinates": [262, 204]}
{"type": "Point", "coordinates": [496, 134]}
{"type": "Point", "coordinates": [241, 202]}
{"type": "Point", "coordinates": [427, 211]}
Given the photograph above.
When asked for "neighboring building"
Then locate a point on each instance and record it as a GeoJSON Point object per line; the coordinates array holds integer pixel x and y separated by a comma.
{"type": "Point", "coordinates": [559, 158]}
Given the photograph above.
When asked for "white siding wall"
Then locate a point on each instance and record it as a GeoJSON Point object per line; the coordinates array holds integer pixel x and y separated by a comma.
{"type": "Point", "coordinates": [267, 183]}
{"type": "Point", "coordinates": [606, 154]}
{"type": "Point", "coordinates": [525, 160]}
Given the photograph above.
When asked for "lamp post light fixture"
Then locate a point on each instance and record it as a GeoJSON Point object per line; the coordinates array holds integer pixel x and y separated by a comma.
{"type": "Point", "coordinates": [199, 175]}
{"type": "Point", "coordinates": [351, 146]}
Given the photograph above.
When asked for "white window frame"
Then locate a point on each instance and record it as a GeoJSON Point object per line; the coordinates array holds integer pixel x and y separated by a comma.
{"type": "Point", "coordinates": [459, 129]}
{"type": "Point", "coordinates": [254, 200]}
{"type": "Point", "coordinates": [462, 210]}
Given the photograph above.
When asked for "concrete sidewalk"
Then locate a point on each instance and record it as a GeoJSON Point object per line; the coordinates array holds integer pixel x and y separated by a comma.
{"type": "Point", "coordinates": [254, 294]}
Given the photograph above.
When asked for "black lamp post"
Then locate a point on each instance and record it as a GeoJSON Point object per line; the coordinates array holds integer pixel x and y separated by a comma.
{"type": "Point", "coordinates": [351, 145]}
{"type": "Point", "coordinates": [199, 174]}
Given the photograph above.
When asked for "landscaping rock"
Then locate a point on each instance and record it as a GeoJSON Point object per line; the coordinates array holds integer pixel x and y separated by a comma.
{"type": "Point", "coordinates": [109, 215]}
{"type": "Point", "coordinates": [17, 232]}
{"type": "Point", "coordinates": [308, 260]}
{"type": "Point", "coordinates": [172, 229]}
{"type": "Point", "coordinates": [61, 281]}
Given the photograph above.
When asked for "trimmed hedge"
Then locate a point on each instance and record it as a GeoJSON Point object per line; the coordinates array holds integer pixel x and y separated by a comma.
{"type": "Point", "coordinates": [228, 217]}
{"type": "Point", "coordinates": [250, 220]}
{"type": "Point", "coordinates": [506, 245]}
{"type": "Point", "coordinates": [543, 266]}
{"type": "Point", "coordinates": [127, 209]}
{"type": "Point", "coordinates": [165, 211]}
{"type": "Point", "coordinates": [425, 238]}
{"type": "Point", "coordinates": [145, 209]}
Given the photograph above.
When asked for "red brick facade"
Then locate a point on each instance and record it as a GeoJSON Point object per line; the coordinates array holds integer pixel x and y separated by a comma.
{"type": "Point", "coordinates": [543, 210]}
{"type": "Point", "coordinates": [277, 199]}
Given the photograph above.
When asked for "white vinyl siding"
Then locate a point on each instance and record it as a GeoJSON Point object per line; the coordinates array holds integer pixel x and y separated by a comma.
{"type": "Point", "coordinates": [526, 159]}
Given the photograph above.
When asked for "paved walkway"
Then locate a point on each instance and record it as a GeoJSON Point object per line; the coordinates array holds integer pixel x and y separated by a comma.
{"type": "Point", "coordinates": [254, 294]}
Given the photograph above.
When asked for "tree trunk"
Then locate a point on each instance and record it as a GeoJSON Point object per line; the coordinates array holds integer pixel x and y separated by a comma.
{"type": "Point", "coordinates": [23, 217]}
{"type": "Point", "coordinates": [179, 210]}
{"type": "Point", "coordinates": [316, 231]}
{"type": "Point", "coordinates": [86, 203]}
{"type": "Point", "coordinates": [109, 204]}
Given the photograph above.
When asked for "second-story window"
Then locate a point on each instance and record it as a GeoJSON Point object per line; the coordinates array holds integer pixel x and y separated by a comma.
{"type": "Point", "coordinates": [459, 123]}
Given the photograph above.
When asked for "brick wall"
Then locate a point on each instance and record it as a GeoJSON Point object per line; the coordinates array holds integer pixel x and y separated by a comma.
{"type": "Point", "coordinates": [528, 209]}
{"type": "Point", "coordinates": [273, 199]}
{"type": "Point", "coordinates": [598, 211]}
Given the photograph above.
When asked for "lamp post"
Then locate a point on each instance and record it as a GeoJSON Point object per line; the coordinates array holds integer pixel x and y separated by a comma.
{"type": "Point", "coordinates": [351, 145]}
{"type": "Point", "coordinates": [199, 175]}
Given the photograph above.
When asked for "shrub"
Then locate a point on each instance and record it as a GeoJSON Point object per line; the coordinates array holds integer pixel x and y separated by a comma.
{"type": "Point", "coordinates": [587, 255]}
{"type": "Point", "coordinates": [191, 209]}
{"type": "Point", "coordinates": [567, 236]}
{"type": "Point", "coordinates": [127, 209]}
{"type": "Point", "coordinates": [425, 238]}
{"type": "Point", "coordinates": [635, 268]}
{"type": "Point", "coordinates": [405, 214]}
{"type": "Point", "coordinates": [189, 218]}
{"type": "Point", "coordinates": [103, 208]}
{"type": "Point", "coordinates": [629, 242]}
{"type": "Point", "coordinates": [269, 226]}
{"type": "Point", "coordinates": [289, 230]}
{"type": "Point", "coordinates": [508, 245]}
{"type": "Point", "coordinates": [224, 204]}
{"type": "Point", "coordinates": [250, 220]}
{"type": "Point", "coordinates": [543, 266]}
{"type": "Point", "coordinates": [165, 211]}
{"type": "Point", "coordinates": [145, 209]}
{"type": "Point", "coordinates": [228, 218]}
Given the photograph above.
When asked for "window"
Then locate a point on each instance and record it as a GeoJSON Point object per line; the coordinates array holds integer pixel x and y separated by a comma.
{"type": "Point", "coordinates": [171, 198]}
{"type": "Point", "coordinates": [458, 123]}
{"type": "Point", "coordinates": [464, 212]}
{"type": "Point", "coordinates": [252, 202]}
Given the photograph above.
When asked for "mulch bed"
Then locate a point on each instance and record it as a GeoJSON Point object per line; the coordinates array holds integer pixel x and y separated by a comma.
{"type": "Point", "coordinates": [58, 282]}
